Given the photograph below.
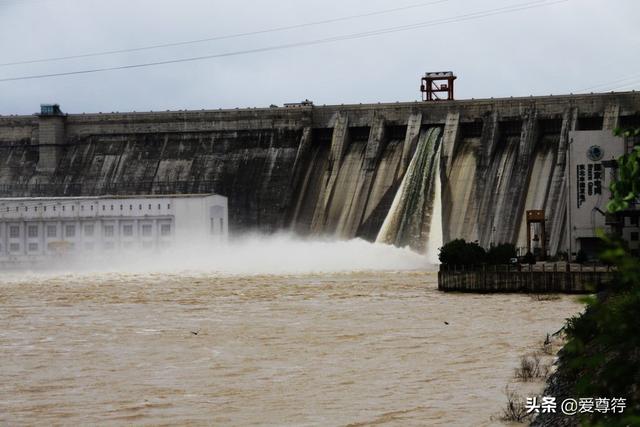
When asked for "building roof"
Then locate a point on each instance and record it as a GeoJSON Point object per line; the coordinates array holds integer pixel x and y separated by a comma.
{"type": "Point", "coordinates": [440, 74]}
{"type": "Point", "coordinates": [109, 197]}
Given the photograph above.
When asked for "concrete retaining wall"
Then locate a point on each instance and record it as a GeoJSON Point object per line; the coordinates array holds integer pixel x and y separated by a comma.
{"type": "Point", "coordinates": [490, 279]}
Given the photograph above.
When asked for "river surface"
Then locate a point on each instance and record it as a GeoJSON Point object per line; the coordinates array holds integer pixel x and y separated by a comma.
{"type": "Point", "coordinates": [305, 349]}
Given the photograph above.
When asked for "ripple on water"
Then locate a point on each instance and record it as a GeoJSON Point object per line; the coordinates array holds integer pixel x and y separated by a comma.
{"type": "Point", "coordinates": [340, 349]}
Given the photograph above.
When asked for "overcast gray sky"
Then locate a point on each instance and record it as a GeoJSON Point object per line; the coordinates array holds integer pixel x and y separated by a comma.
{"type": "Point", "coordinates": [558, 48]}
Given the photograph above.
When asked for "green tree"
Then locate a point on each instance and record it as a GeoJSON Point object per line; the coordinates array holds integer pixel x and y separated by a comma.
{"type": "Point", "coordinates": [460, 252]}
{"type": "Point", "coordinates": [626, 188]}
{"type": "Point", "coordinates": [501, 253]}
{"type": "Point", "coordinates": [581, 257]}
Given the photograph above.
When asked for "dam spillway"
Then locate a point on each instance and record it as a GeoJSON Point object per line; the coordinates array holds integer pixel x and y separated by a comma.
{"type": "Point", "coordinates": [324, 170]}
{"type": "Point", "coordinates": [408, 221]}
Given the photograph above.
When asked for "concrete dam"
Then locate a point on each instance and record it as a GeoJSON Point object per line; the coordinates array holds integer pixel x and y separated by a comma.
{"type": "Point", "coordinates": [373, 171]}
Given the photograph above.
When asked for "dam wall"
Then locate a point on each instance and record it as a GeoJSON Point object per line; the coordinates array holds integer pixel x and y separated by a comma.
{"type": "Point", "coordinates": [326, 170]}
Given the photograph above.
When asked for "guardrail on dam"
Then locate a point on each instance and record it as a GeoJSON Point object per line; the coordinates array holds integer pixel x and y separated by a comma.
{"type": "Point", "coordinates": [324, 169]}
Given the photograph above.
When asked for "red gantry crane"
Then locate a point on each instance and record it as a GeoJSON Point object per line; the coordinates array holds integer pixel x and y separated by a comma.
{"type": "Point", "coordinates": [434, 83]}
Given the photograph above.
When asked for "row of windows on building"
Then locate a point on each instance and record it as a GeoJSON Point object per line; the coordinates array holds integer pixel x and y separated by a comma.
{"type": "Point", "coordinates": [82, 207]}
{"type": "Point", "coordinates": [89, 230]}
{"type": "Point", "coordinates": [15, 248]}
{"type": "Point", "coordinates": [632, 221]}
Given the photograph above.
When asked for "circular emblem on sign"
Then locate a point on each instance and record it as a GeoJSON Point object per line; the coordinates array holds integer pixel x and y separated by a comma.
{"type": "Point", "coordinates": [595, 153]}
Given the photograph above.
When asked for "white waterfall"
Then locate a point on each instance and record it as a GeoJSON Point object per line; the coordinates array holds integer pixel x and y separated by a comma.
{"type": "Point", "coordinates": [410, 218]}
{"type": "Point", "coordinates": [435, 241]}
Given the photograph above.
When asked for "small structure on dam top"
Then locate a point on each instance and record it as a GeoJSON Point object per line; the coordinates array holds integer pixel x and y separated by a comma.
{"type": "Point", "coordinates": [34, 228]}
{"type": "Point", "coordinates": [432, 84]}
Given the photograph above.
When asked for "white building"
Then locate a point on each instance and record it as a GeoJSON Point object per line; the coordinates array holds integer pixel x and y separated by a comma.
{"type": "Point", "coordinates": [592, 169]}
{"type": "Point", "coordinates": [36, 227]}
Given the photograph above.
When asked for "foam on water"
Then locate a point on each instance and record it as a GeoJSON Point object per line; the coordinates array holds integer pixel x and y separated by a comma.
{"type": "Point", "coordinates": [253, 255]}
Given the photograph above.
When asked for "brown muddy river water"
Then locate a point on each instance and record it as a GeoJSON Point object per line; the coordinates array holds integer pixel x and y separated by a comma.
{"type": "Point", "coordinates": [313, 349]}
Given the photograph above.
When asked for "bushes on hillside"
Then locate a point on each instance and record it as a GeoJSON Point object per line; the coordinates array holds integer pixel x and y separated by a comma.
{"type": "Point", "coordinates": [602, 354]}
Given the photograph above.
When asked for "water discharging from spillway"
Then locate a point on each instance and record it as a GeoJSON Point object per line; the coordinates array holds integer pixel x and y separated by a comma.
{"type": "Point", "coordinates": [435, 240]}
{"type": "Point", "coordinates": [411, 217]}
